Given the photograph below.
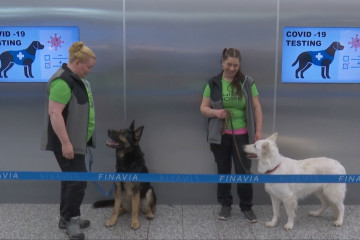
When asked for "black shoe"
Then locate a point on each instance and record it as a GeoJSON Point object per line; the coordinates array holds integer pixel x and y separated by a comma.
{"type": "Point", "coordinates": [250, 216]}
{"type": "Point", "coordinates": [82, 222]}
{"type": "Point", "coordinates": [73, 229]}
{"type": "Point", "coordinates": [224, 213]}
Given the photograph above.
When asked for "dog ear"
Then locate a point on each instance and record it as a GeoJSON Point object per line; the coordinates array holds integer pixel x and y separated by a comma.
{"type": "Point", "coordinates": [138, 133]}
{"type": "Point", "coordinates": [273, 137]}
{"type": "Point", "coordinates": [132, 125]}
{"type": "Point", "coordinates": [265, 150]}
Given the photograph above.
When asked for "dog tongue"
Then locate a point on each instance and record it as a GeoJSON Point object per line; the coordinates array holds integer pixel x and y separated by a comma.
{"type": "Point", "coordinates": [251, 155]}
{"type": "Point", "coordinates": [111, 143]}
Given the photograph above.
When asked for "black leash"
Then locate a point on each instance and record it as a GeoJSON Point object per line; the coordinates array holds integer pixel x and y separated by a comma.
{"type": "Point", "coordinates": [230, 114]}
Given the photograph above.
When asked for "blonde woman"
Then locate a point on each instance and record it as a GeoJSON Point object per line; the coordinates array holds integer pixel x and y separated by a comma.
{"type": "Point", "coordinates": [69, 129]}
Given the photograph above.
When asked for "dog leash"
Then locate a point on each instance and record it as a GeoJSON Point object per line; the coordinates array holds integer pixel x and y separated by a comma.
{"type": "Point", "coordinates": [97, 185]}
{"type": "Point", "coordinates": [230, 114]}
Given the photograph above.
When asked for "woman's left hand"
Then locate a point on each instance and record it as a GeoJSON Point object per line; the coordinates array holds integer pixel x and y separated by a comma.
{"type": "Point", "coordinates": [257, 136]}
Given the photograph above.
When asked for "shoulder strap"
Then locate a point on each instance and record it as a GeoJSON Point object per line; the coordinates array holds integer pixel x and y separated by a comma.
{"type": "Point", "coordinates": [249, 79]}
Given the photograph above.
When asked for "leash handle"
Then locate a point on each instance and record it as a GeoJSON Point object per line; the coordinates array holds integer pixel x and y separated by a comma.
{"type": "Point", "coordinates": [229, 115]}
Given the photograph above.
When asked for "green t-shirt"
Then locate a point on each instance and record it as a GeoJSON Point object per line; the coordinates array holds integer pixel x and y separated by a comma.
{"type": "Point", "coordinates": [233, 103]}
{"type": "Point", "coordinates": [60, 92]}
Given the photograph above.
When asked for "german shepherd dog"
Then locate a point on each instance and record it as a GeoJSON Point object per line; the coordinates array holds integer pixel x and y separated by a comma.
{"type": "Point", "coordinates": [129, 196]}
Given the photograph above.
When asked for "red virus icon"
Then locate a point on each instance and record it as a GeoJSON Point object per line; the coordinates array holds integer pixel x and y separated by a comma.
{"type": "Point", "coordinates": [355, 43]}
{"type": "Point", "coordinates": [55, 41]}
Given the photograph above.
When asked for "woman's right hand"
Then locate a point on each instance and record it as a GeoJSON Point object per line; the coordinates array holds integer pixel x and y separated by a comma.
{"type": "Point", "coordinates": [220, 113]}
{"type": "Point", "coordinates": [68, 151]}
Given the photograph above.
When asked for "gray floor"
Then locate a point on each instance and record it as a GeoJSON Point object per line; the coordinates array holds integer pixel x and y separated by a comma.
{"type": "Point", "coordinates": [39, 221]}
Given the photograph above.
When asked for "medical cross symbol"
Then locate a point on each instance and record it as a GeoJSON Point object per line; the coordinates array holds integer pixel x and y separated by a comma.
{"type": "Point", "coordinates": [319, 56]}
{"type": "Point", "coordinates": [20, 55]}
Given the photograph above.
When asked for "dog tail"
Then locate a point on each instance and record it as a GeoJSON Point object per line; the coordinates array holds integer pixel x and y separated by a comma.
{"type": "Point", "coordinates": [296, 61]}
{"type": "Point", "coordinates": [103, 203]}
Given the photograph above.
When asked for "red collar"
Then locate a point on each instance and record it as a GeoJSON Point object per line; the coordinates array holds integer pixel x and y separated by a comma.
{"type": "Point", "coordinates": [271, 170]}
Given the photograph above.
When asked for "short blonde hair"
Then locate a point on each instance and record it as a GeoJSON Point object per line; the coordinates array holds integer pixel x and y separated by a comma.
{"type": "Point", "coordinates": [79, 51]}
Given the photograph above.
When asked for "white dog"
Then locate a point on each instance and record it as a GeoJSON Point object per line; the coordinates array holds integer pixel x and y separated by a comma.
{"type": "Point", "coordinates": [272, 162]}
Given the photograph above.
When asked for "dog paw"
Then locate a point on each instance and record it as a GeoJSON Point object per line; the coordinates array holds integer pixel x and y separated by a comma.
{"type": "Point", "coordinates": [150, 216]}
{"type": "Point", "coordinates": [270, 224]}
{"type": "Point", "coordinates": [135, 225]}
{"type": "Point", "coordinates": [314, 213]}
{"type": "Point", "coordinates": [289, 226]}
{"type": "Point", "coordinates": [110, 223]}
{"type": "Point", "coordinates": [338, 223]}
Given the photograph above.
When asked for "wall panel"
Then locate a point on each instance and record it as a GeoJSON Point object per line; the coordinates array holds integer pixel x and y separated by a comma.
{"type": "Point", "coordinates": [171, 48]}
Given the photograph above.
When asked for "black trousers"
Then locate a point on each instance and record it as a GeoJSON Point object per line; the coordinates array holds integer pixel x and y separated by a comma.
{"type": "Point", "coordinates": [72, 192]}
{"type": "Point", "coordinates": [225, 154]}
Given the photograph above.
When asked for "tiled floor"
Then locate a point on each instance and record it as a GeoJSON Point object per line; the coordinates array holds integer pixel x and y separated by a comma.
{"type": "Point", "coordinates": [39, 221]}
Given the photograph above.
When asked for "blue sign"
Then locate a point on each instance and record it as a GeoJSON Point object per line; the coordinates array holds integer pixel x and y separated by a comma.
{"type": "Point", "coordinates": [320, 55]}
{"type": "Point", "coordinates": [33, 54]}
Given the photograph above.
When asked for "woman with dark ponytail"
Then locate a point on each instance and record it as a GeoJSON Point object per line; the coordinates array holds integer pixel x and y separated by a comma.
{"type": "Point", "coordinates": [231, 103]}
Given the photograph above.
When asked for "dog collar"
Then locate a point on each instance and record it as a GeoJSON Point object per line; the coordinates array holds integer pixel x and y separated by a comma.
{"type": "Point", "coordinates": [271, 170]}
